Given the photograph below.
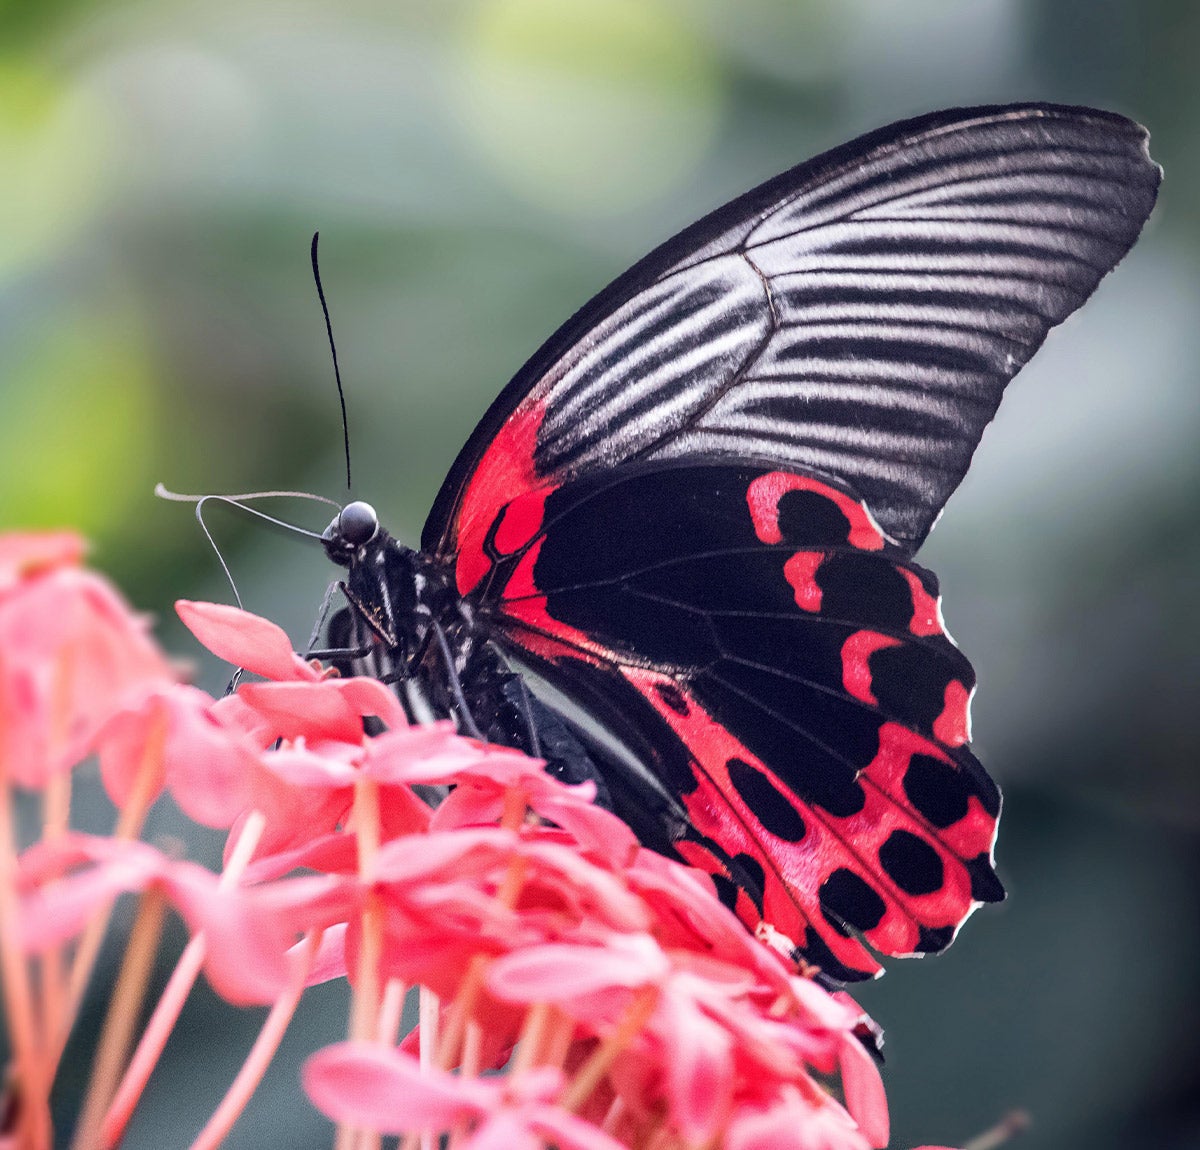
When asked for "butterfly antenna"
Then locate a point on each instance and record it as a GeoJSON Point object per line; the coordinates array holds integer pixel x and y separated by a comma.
{"type": "Point", "coordinates": [241, 503]}
{"type": "Point", "coordinates": [217, 551]}
{"type": "Point", "coordinates": [337, 375]}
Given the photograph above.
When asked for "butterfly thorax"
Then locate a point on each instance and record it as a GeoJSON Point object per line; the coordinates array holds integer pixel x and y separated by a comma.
{"type": "Point", "coordinates": [399, 598]}
{"type": "Point", "coordinates": [407, 625]}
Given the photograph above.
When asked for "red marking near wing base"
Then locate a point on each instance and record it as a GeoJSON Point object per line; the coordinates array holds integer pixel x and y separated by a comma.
{"type": "Point", "coordinates": [521, 584]}
{"type": "Point", "coordinates": [524, 607]}
{"type": "Point", "coordinates": [926, 618]}
{"type": "Point", "coordinates": [856, 669]}
{"type": "Point", "coordinates": [521, 520]}
{"type": "Point", "coordinates": [953, 725]}
{"type": "Point", "coordinates": [765, 492]}
{"type": "Point", "coordinates": [504, 473]}
{"type": "Point", "coordinates": [801, 571]}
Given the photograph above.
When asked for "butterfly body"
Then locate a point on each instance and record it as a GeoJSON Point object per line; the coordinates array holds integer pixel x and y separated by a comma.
{"type": "Point", "coordinates": [693, 513]}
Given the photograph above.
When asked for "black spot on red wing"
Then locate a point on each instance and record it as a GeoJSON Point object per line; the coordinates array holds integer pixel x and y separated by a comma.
{"type": "Point", "coordinates": [911, 863]}
{"type": "Point", "coordinates": [937, 790]}
{"type": "Point", "coordinates": [846, 898]}
{"type": "Point", "coordinates": [672, 697]}
{"type": "Point", "coordinates": [809, 519]}
{"type": "Point", "coordinates": [934, 939]}
{"type": "Point", "coordinates": [910, 680]}
{"type": "Point", "coordinates": [751, 875]}
{"type": "Point", "coordinates": [985, 886]}
{"type": "Point", "coordinates": [858, 586]}
{"type": "Point", "coordinates": [770, 808]}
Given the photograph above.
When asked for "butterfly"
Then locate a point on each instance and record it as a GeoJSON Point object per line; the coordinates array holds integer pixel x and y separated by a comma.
{"type": "Point", "coordinates": [689, 523]}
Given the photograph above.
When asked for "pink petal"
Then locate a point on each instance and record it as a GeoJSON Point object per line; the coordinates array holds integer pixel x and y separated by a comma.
{"type": "Point", "coordinates": [52, 913]}
{"type": "Point", "coordinates": [330, 960]}
{"type": "Point", "coordinates": [386, 1090]}
{"type": "Point", "coordinates": [863, 1090]}
{"type": "Point", "coordinates": [562, 972]}
{"type": "Point", "coordinates": [371, 697]}
{"type": "Point", "coordinates": [72, 652]}
{"type": "Point", "coordinates": [569, 1132]}
{"type": "Point", "coordinates": [790, 1123]}
{"type": "Point", "coordinates": [244, 640]}
{"type": "Point", "coordinates": [295, 815]}
{"type": "Point", "coordinates": [449, 853]}
{"type": "Point", "coordinates": [25, 555]}
{"type": "Point", "coordinates": [507, 1130]}
{"type": "Point", "coordinates": [310, 710]}
{"type": "Point", "coordinates": [251, 932]}
{"type": "Point", "coordinates": [332, 853]}
{"type": "Point", "coordinates": [432, 755]}
{"type": "Point", "coordinates": [698, 1068]}
{"type": "Point", "coordinates": [309, 770]}
{"type": "Point", "coordinates": [592, 827]}
{"type": "Point", "coordinates": [207, 767]}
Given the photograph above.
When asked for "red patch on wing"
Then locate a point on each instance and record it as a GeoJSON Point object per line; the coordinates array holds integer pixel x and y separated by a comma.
{"type": "Point", "coordinates": [504, 472]}
{"type": "Point", "coordinates": [953, 725]}
{"type": "Point", "coordinates": [926, 617]}
{"type": "Point", "coordinates": [765, 492]}
{"type": "Point", "coordinates": [520, 521]}
{"type": "Point", "coordinates": [967, 837]}
{"type": "Point", "coordinates": [801, 572]}
{"type": "Point", "coordinates": [856, 654]}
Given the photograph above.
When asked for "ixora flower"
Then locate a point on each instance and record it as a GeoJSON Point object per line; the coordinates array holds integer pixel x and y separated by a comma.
{"type": "Point", "coordinates": [576, 990]}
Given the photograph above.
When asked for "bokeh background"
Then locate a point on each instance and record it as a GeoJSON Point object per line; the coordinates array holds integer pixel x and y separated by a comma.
{"type": "Point", "coordinates": [478, 169]}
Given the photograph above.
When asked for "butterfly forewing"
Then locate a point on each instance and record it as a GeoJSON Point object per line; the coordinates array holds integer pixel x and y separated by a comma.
{"type": "Point", "coordinates": [860, 314]}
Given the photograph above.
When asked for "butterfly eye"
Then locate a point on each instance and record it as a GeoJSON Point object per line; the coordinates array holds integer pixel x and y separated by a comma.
{"type": "Point", "coordinates": [358, 523]}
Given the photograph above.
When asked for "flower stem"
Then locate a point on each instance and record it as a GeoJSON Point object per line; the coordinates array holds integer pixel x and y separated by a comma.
{"type": "Point", "coordinates": [166, 1013]}
{"type": "Point", "coordinates": [123, 1010]}
{"type": "Point", "coordinates": [129, 826]}
{"type": "Point", "coordinates": [33, 1113]}
{"type": "Point", "coordinates": [391, 1012]}
{"type": "Point", "coordinates": [594, 1069]}
{"type": "Point", "coordinates": [261, 1053]}
{"type": "Point", "coordinates": [533, 1036]}
{"type": "Point", "coordinates": [364, 1010]}
{"type": "Point", "coordinates": [1014, 1123]}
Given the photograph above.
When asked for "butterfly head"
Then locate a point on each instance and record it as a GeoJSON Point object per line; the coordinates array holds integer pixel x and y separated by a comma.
{"type": "Point", "coordinates": [352, 529]}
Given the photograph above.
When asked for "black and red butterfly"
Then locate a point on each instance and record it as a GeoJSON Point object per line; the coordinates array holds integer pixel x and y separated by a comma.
{"type": "Point", "coordinates": [693, 515]}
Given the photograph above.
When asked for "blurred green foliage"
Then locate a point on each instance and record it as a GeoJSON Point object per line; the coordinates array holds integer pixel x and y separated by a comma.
{"type": "Point", "coordinates": [477, 169]}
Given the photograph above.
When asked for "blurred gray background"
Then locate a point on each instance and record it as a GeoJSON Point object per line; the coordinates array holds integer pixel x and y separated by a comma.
{"type": "Point", "coordinates": [477, 171]}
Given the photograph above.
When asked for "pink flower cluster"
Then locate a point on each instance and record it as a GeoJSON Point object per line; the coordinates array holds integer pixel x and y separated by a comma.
{"type": "Point", "coordinates": [625, 1005]}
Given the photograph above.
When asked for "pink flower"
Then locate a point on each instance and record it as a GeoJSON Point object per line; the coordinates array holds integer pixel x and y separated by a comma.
{"type": "Point", "coordinates": [625, 1004]}
{"type": "Point", "coordinates": [70, 651]}
{"type": "Point", "coordinates": [387, 1090]}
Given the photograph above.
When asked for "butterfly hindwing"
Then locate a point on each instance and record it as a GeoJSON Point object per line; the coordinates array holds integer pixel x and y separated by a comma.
{"type": "Point", "coordinates": [796, 661]}
{"type": "Point", "coordinates": [859, 315]}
